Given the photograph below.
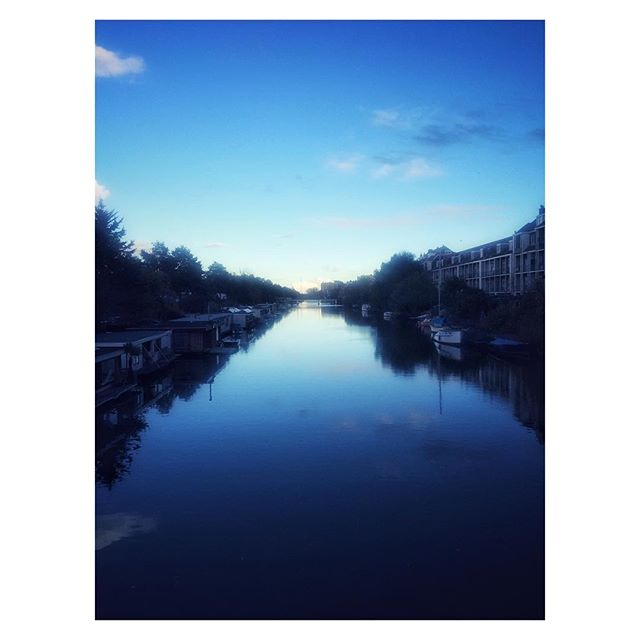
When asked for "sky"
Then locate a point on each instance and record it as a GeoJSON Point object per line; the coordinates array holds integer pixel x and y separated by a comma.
{"type": "Point", "coordinates": [306, 152]}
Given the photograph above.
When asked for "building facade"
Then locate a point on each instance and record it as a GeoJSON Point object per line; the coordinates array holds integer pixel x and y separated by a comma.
{"type": "Point", "coordinates": [509, 265]}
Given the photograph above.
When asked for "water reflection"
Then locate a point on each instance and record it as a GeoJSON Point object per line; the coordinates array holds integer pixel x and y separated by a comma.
{"type": "Point", "coordinates": [315, 477]}
{"type": "Point", "coordinates": [117, 526]}
{"type": "Point", "coordinates": [401, 347]}
{"type": "Point", "coordinates": [119, 424]}
{"type": "Point", "coordinates": [118, 432]}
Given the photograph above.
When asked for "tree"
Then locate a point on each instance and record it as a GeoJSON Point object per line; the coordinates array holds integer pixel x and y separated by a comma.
{"type": "Point", "coordinates": [113, 252]}
{"type": "Point", "coordinates": [115, 265]}
{"type": "Point", "coordinates": [187, 273]}
{"type": "Point", "coordinates": [462, 301]}
{"type": "Point", "coordinates": [390, 274]}
{"type": "Point", "coordinates": [413, 294]}
{"type": "Point", "coordinates": [159, 259]}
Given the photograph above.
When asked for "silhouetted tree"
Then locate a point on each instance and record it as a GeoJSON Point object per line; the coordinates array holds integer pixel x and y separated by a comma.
{"type": "Point", "coordinates": [115, 264]}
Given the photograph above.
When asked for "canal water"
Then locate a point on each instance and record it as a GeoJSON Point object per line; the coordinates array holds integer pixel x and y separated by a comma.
{"type": "Point", "coordinates": [335, 467]}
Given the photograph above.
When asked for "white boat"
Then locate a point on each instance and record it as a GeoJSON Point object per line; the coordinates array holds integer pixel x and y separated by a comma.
{"type": "Point", "coordinates": [389, 315]}
{"type": "Point", "coordinates": [448, 336]}
{"type": "Point", "coordinates": [449, 351]}
{"type": "Point", "coordinates": [439, 323]}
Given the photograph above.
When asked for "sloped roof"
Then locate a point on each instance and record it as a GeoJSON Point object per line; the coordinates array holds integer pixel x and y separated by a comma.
{"type": "Point", "coordinates": [530, 226]}
{"type": "Point", "coordinates": [119, 338]}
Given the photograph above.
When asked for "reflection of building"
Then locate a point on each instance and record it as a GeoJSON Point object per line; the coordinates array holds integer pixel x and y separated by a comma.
{"type": "Point", "coordinates": [121, 355]}
{"type": "Point", "coordinates": [509, 265]}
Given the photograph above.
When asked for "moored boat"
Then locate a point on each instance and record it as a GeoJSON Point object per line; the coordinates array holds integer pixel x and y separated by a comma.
{"type": "Point", "coordinates": [439, 323]}
{"type": "Point", "coordinates": [448, 336]}
{"type": "Point", "coordinates": [449, 351]}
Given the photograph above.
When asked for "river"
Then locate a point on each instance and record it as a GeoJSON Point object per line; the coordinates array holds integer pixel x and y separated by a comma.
{"type": "Point", "coordinates": [335, 467]}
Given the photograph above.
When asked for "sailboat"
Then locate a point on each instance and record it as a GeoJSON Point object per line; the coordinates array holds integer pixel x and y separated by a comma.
{"type": "Point", "coordinates": [441, 331]}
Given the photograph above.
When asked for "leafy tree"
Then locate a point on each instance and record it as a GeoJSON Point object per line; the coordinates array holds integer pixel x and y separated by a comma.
{"type": "Point", "coordinates": [390, 274]}
{"type": "Point", "coordinates": [159, 259]}
{"type": "Point", "coordinates": [413, 294]}
{"type": "Point", "coordinates": [462, 301]}
{"type": "Point", "coordinates": [187, 274]}
{"type": "Point", "coordinates": [113, 252]}
{"type": "Point", "coordinates": [115, 264]}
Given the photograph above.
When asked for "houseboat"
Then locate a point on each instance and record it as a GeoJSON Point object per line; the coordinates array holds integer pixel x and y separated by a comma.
{"type": "Point", "coordinates": [200, 333]}
{"type": "Point", "coordinates": [144, 350]}
{"type": "Point", "coordinates": [112, 377]}
{"type": "Point", "coordinates": [227, 345]}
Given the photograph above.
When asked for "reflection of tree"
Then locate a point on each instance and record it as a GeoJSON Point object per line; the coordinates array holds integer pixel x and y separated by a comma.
{"type": "Point", "coordinates": [117, 438]}
{"type": "Point", "coordinates": [119, 428]}
{"type": "Point", "coordinates": [521, 384]}
{"type": "Point", "coordinates": [330, 310]}
{"type": "Point", "coordinates": [400, 347]}
{"type": "Point", "coordinates": [403, 348]}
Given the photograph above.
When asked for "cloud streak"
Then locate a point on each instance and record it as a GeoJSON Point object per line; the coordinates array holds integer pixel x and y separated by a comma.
{"type": "Point", "coordinates": [444, 135]}
{"type": "Point", "coordinates": [101, 192]}
{"type": "Point", "coordinates": [215, 245]}
{"type": "Point", "coordinates": [345, 164]}
{"type": "Point", "coordinates": [394, 118]}
{"type": "Point", "coordinates": [110, 65]}
{"type": "Point", "coordinates": [419, 168]}
{"type": "Point", "coordinates": [413, 168]}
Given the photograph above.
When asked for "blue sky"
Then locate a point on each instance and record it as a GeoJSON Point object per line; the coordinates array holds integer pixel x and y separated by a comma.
{"type": "Point", "coordinates": [311, 151]}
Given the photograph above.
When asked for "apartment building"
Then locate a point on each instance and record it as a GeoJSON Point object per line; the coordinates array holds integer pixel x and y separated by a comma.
{"type": "Point", "coordinates": [506, 266]}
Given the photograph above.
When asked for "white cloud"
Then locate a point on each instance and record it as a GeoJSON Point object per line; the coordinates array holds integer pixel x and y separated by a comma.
{"type": "Point", "coordinates": [345, 164]}
{"type": "Point", "coordinates": [142, 245]}
{"type": "Point", "coordinates": [395, 118]}
{"type": "Point", "coordinates": [215, 245]}
{"type": "Point", "coordinates": [109, 64]}
{"type": "Point", "coordinates": [102, 193]}
{"type": "Point", "coordinates": [418, 168]}
{"type": "Point", "coordinates": [386, 117]}
{"type": "Point", "coordinates": [412, 169]}
{"type": "Point", "coordinates": [383, 171]}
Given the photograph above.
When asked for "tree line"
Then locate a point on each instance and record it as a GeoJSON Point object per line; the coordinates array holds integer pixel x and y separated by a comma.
{"type": "Point", "coordinates": [161, 284]}
{"type": "Point", "coordinates": [402, 285]}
